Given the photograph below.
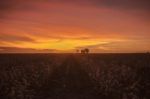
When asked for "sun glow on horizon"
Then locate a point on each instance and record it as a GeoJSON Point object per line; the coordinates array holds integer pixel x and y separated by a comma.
{"type": "Point", "coordinates": [62, 25]}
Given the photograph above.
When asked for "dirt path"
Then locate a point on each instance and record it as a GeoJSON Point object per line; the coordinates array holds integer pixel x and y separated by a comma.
{"type": "Point", "coordinates": [69, 81]}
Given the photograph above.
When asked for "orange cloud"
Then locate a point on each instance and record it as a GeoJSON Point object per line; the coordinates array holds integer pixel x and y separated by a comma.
{"type": "Point", "coordinates": [66, 25]}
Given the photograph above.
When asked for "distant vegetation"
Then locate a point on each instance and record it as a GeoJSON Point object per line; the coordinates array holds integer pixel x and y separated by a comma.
{"type": "Point", "coordinates": [83, 51]}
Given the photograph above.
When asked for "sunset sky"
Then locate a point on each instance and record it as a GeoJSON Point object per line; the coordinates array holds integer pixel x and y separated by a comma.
{"type": "Point", "coordinates": [109, 26]}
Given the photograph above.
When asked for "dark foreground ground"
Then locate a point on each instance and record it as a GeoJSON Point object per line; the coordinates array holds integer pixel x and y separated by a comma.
{"type": "Point", "coordinates": [75, 76]}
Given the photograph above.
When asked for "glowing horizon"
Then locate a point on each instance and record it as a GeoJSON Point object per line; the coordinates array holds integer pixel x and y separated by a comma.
{"type": "Point", "coordinates": [67, 25]}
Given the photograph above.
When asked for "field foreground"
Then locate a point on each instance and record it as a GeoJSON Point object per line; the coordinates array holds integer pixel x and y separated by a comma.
{"type": "Point", "coordinates": [75, 76]}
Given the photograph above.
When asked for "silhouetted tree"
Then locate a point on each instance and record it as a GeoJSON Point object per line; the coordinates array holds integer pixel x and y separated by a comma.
{"type": "Point", "coordinates": [82, 51]}
{"type": "Point", "coordinates": [86, 50]}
